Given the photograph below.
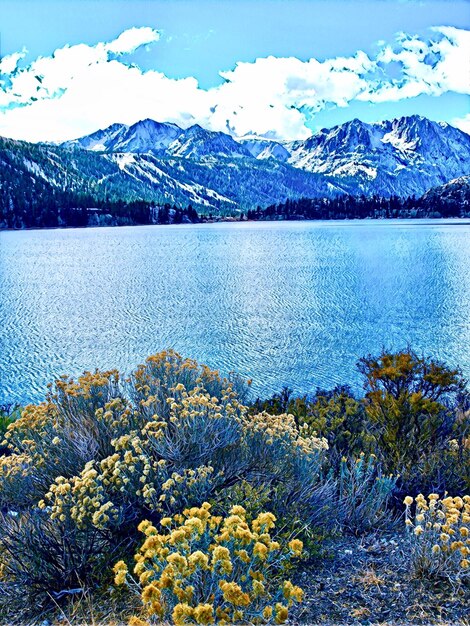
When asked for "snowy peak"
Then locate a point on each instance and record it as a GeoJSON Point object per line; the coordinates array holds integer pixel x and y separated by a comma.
{"type": "Point", "coordinates": [163, 138]}
{"type": "Point", "coordinates": [265, 149]}
{"type": "Point", "coordinates": [99, 140]}
{"type": "Point", "coordinates": [422, 139]}
{"type": "Point", "coordinates": [408, 134]}
{"type": "Point", "coordinates": [404, 155]}
{"type": "Point", "coordinates": [143, 136]}
{"type": "Point", "coordinates": [146, 136]}
{"type": "Point", "coordinates": [352, 137]}
{"type": "Point", "coordinates": [197, 142]}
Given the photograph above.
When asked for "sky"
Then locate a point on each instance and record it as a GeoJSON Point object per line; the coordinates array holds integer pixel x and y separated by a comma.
{"type": "Point", "coordinates": [279, 69]}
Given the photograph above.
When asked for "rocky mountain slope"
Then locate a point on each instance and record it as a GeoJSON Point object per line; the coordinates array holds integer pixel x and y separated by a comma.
{"type": "Point", "coordinates": [455, 192]}
{"type": "Point", "coordinates": [210, 183]}
{"type": "Point", "coordinates": [404, 156]}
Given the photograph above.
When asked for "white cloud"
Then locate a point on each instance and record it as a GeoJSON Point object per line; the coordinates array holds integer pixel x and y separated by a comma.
{"type": "Point", "coordinates": [131, 39]}
{"type": "Point", "coordinates": [8, 63]}
{"type": "Point", "coordinates": [82, 88]}
{"type": "Point", "coordinates": [275, 96]}
{"type": "Point", "coordinates": [463, 123]}
{"type": "Point", "coordinates": [429, 67]}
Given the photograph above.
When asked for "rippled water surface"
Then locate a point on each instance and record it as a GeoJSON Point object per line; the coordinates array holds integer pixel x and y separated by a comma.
{"type": "Point", "coordinates": [293, 303]}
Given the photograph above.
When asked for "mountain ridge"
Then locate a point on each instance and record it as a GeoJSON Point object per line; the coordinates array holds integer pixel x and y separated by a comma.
{"type": "Point", "coordinates": [389, 157]}
{"type": "Point", "coordinates": [160, 162]}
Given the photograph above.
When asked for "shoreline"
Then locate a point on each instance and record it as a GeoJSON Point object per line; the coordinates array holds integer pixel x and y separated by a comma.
{"type": "Point", "coordinates": [461, 221]}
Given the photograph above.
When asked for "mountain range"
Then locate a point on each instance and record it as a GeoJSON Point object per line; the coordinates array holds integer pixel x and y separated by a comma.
{"type": "Point", "coordinates": [214, 171]}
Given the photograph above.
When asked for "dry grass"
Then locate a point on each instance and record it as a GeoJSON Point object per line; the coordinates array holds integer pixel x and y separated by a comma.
{"type": "Point", "coordinates": [84, 609]}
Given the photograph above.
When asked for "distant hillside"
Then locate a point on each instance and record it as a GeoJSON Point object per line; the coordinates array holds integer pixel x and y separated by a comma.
{"type": "Point", "coordinates": [454, 194]}
{"type": "Point", "coordinates": [211, 184]}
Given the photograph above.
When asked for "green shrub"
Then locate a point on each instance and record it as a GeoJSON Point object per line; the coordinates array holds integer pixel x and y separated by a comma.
{"type": "Point", "coordinates": [412, 408]}
{"type": "Point", "coordinates": [364, 494]}
{"type": "Point", "coordinates": [339, 417]}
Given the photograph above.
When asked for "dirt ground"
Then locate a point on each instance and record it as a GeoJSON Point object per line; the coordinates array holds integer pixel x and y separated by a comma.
{"type": "Point", "coordinates": [366, 581]}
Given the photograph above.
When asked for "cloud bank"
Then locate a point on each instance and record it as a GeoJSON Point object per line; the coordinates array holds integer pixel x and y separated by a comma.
{"type": "Point", "coordinates": [81, 88]}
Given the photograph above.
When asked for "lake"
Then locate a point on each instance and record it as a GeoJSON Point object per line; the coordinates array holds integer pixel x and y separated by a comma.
{"type": "Point", "coordinates": [283, 303]}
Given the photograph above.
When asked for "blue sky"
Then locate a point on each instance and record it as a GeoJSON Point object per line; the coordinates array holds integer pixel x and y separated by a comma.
{"type": "Point", "coordinates": [199, 39]}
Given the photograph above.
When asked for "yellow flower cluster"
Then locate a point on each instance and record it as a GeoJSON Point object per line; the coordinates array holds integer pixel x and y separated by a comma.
{"type": "Point", "coordinates": [167, 369]}
{"type": "Point", "coordinates": [283, 429]}
{"type": "Point", "coordinates": [118, 415]}
{"type": "Point", "coordinates": [28, 439]}
{"type": "Point", "coordinates": [33, 419]}
{"type": "Point", "coordinates": [440, 533]}
{"type": "Point", "coordinates": [14, 467]}
{"type": "Point", "coordinates": [201, 568]}
{"type": "Point", "coordinates": [89, 385]}
{"type": "Point", "coordinates": [82, 498]}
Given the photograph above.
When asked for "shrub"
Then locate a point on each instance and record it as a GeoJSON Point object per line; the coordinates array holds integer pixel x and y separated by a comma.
{"type": "Point", "coordinates": [364, 494]}
{"type": "Point", "coordinates": [201, 568]}
{"type": "Point", "coordinates": [334, 415]}
{"type": "Point", "coordinates": [59, 435]}
{"type": "Point", "coordinates": [339, 417]}
{"type": "Point", "coordinates": [80, 419]}
{"type": "Point", "coordinates": [162, 372]}
{"type": "Point", "coordinates": [439, 533]}
{"type": "Point", "coordinates": [43, 559]}
{"type": "Point", "coordinates": [147, 457]}
{"type": "Point", "coordinates": [202, 448]}
{"type": "Point", "coordinates": [411, 406]}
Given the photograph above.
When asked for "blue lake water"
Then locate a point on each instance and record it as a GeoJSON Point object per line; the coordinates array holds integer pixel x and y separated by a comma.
{"type": "Point", "coordinates": [284, 303]}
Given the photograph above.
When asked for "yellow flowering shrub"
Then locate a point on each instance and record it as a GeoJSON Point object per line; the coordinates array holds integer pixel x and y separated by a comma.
{"type": "Point", "coordinates": [92, 460]}
{"type": "Point", "coordinates": [190, 448]}
{"type": "Point", "coordinates": [57, 436]}
{"type": "Point", "coordinates": [439, 532]}
{"type": "Point", "coordinates": [413, 407]}
{"type": "Point", "coordinates": [26, 441]}
{"type": "Point", "coordinates": [167, 371]}
{"type": "Point", "coordinates": [201, 568]}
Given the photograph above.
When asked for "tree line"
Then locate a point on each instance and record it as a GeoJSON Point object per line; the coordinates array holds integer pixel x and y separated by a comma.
{"type": "Point", "coordinates": [40, 205]}
{"type": "Point", "coordinates": [361, 207]}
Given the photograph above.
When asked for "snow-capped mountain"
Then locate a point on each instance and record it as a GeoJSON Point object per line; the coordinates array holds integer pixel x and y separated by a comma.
{"type": "Point", "coordinates": [404, 156]}
{"type": "Point", "coordinates": [455, 192]}
{"type": "Point", "coordinates": [212, 171]}
{"type": "Point", "coordinates": [197, 142]}
{"type": "Point", "coordinates": [99, 140]}
{"type": "Point", "coordinates": [214, 183]}
{"type": "Point", "coordinates": [149, 136]}
{"type": "Point", "coordinates": [161, 162]}
{"type": "Point", "coordinates": [144, 136]}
